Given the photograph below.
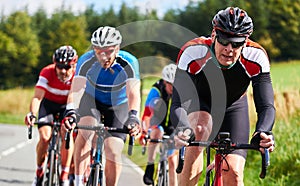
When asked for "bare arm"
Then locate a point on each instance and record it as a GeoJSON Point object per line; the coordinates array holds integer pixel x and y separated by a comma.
{"type": "Point", "coordinates": [76, 92]}
{"type": "Point", "coordinates": [133, 93]}
{"type": "Point", "coordinates": [74, 97]}
{"type": "Point", "coordinates": [34, 105]}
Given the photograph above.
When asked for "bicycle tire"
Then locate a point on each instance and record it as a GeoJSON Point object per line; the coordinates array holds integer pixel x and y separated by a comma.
{"type": "Point", "coordinates": [96, 175]}
{"type": "Point", "coordinates": [163, 174]}
{"type": "Point", "coordinates": [51, 170]}
{"type": "Point", "coordinates": [90, 179]}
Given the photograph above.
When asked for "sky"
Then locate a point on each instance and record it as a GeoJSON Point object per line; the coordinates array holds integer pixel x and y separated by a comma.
{"type": "Point", "coordinates": [161, 6]}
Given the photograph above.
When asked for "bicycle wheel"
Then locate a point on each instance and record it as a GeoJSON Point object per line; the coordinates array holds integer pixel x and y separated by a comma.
{"type": "Point", "coordinates": [51, 169]}
{"type": "Point", "coordinates": [96, 175]}
{"type": "Point", "coordinates": [163, 178]}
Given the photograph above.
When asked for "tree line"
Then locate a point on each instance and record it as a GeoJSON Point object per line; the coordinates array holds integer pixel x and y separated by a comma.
{"type": "Point", "coordinates": [28, 41]}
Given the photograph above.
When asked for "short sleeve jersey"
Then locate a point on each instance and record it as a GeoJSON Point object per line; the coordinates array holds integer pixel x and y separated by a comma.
{"type": "Point", "coordinates": [108, 86]}
{"type": "Point", "coordinates": [55, 90]}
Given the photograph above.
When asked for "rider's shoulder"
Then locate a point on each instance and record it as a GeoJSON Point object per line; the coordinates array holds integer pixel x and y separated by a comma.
{"type": "Point", "coordinates": [125, 55]}
{"type": "Point", "coordinates": [207, 41]}
{"type": "Point", "coordinates": [48, 69]}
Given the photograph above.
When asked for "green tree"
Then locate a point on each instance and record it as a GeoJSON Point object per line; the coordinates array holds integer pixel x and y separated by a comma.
{"type": "Point", "coordinates": [9, 51]}
{"type": "Point", "coordinates": [284, 27]}
{"type": "Point", "coordinates": [18, 28]}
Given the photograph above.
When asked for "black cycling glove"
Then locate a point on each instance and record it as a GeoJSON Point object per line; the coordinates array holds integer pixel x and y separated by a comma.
{"type": "Point", "coordinates": [256, 138]}
{"type": "Point", "coordinates": [132, 119]}
{"type": "Point", "coordinates": [72, 115]}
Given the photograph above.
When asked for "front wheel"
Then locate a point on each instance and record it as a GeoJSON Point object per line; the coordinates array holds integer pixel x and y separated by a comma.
{"type": "Point", "coordinates": [163, 178]}
{"type": "Point", "coordinates": [94, 178]}
{"type": "Point", "coordinates": [50, 172]}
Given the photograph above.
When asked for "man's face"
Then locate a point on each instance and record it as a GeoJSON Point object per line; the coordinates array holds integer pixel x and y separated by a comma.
{"type": "Point", "coordinates": [169, 87]}
{"type": "Point", "coordinates": [64, 72]}
{"type": "Point", "coordinates": [227, 52]}
{"type": "Point", "coordinates": [106, 55]}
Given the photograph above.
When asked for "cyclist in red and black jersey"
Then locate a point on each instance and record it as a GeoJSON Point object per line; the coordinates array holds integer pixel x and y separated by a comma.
{"type": "Point", "coordinates": [210, 96]}
{"type": "Point", "coordinates": [50, 97]}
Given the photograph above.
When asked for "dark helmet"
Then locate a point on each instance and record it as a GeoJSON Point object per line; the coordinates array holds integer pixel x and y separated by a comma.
{"type": "Point", "coordinates": [65, 55]}
{"type": "Point", "coordinates": [233, 21]}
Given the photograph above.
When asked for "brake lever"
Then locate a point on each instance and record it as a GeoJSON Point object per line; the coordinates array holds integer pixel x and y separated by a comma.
{"type": "Point", "coordinates": [265, 158]}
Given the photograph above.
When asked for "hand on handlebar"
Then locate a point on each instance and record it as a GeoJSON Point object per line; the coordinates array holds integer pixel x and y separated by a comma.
{"type": "Point", "coordinates": [143, 138]}
{"type": "Point", "coordinates": [183, 135]}
{"type": "Point", "coordinates": [30, 119]}
{"type": "Point", "coordinates": [264, 140]}
{"type": "Point", "coordinates": [70, 119]}
{"type": "Point", "coordinates": [133, 124]}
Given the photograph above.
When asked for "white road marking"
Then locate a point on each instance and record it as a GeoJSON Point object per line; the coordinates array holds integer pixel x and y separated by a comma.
{"type": "Point", "coordinates": [14, 148]}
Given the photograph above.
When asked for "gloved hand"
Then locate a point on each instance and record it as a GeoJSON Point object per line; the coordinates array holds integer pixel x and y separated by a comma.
{"type": "Point", "coordinates": [262, 140]}
{"type": "Point", "coordinates": [71, 118]}
{"type": "Point", "coordinates": [183, 135]}
{"type": "Point", "coordinates": [29, 119]}
{"type": "Point", "coordinates": [133, 123]}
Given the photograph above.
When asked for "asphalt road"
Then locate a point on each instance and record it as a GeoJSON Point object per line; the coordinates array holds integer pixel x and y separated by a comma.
{"type": "Point", "coordinates": [17, 159]}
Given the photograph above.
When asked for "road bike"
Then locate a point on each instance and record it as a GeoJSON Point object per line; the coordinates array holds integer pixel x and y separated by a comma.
{"type": "Point", "coordinates": [52, 167]}
{"type": "Point", "coordinates": [163, 166]}
{"type": "Point", "coordinates": [95, 177]}
{"type": "Point", "coordinates": [223, 146]}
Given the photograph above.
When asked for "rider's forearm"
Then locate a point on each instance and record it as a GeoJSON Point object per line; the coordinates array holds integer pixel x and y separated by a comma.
{"type": "Point", "coordinates": [76, 92]}
{"type": "Point", "coordinates": [36, 101]}
{"type": "Point", "coordinates": [264, 102]}
{"type": "Point", "coordinates": [133, 94]}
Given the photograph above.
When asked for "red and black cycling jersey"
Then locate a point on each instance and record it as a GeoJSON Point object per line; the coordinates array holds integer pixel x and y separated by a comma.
{"type": "Point", "coordinates": [55, 90]}
{"type": "Point", "coordinates": [194, 61]}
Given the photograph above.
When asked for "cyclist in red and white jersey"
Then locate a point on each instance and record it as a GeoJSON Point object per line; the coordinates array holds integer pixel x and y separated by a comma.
{"type": "Point", "coordinates": [50, 97]}
{"type": "Point", "coordinates": [210, 96]}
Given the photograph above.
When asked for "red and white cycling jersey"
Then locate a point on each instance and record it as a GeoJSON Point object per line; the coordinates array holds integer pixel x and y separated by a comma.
{"type": "Point", "coordinates": [196, 90]}
{"type": "Point", "coordinates": [194, 55]}
{"type": "Point", "coordinates": [56, 90]}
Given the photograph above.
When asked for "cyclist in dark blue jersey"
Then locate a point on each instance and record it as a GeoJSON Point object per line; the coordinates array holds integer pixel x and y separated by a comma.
{"type": "Point", "coordinates": [210, 96]}
{"type": "Point", "coordinates": [156, 120]}
{"type": "Point", "coordinates": [106, 88]}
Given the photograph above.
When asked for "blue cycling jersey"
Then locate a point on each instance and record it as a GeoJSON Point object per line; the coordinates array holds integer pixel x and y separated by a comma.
{"type": "Point", "coordinates": [108, 86]}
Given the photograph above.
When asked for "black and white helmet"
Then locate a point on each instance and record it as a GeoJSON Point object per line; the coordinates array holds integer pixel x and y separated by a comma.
{"type": "Point", "coordinates": [106, 36]}
{"type": "Point", "coordinates": [65, 55]}
{"type": "Point", "coordinates": [168, 73]}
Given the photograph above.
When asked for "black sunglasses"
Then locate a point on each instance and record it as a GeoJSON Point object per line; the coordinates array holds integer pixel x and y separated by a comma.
{"type": "Point", "coordinates": [225, 42]}
{"type": "Point", "coordinates": [62, 66]}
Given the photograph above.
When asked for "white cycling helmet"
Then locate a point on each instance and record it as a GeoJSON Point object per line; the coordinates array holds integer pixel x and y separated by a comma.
{"type": "Point", "coordinates": [106, 36]}
{"type": "Point", "coordinates": [168, 73]}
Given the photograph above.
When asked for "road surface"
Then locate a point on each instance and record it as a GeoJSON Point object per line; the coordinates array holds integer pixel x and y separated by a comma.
{"type": "Point", "coordinates": [17, 159]}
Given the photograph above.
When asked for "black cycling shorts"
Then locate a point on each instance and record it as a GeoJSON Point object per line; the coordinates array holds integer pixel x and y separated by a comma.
{"type": "Point", "coordinates": [48, 109]}
{"type": "Point", "coordinates": [110, 116]}
{"type": "Point", "coordinates": [236, 122]}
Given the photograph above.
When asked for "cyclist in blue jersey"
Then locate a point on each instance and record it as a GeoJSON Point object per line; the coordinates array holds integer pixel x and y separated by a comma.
{"type": "Point", "coordinates": [156, 121]}
{"type": "Point", "coordinates": [106, 88]}
{"type": "Point", "coordinates": [198, 106]}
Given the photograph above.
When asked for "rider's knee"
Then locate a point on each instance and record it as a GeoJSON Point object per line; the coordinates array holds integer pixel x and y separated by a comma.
{"type": "Point", "coordinates": [201, 121]}
{"type": "Point", "coordinates": [234, 174]}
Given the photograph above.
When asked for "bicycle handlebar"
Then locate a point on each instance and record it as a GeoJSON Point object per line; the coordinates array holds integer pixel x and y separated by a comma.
{"type": "Point", "coordinates": [36, 123]}
{"type": "Point", "coordinates": [101, 127]}
{"type": "Point", "coordinates": [147, 138]}
{"type": "Point", "coordinates": [225, 149]}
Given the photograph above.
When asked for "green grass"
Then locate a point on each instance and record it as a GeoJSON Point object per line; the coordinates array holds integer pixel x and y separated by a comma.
{"type": "Point", "coordinates": [286, 76]}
